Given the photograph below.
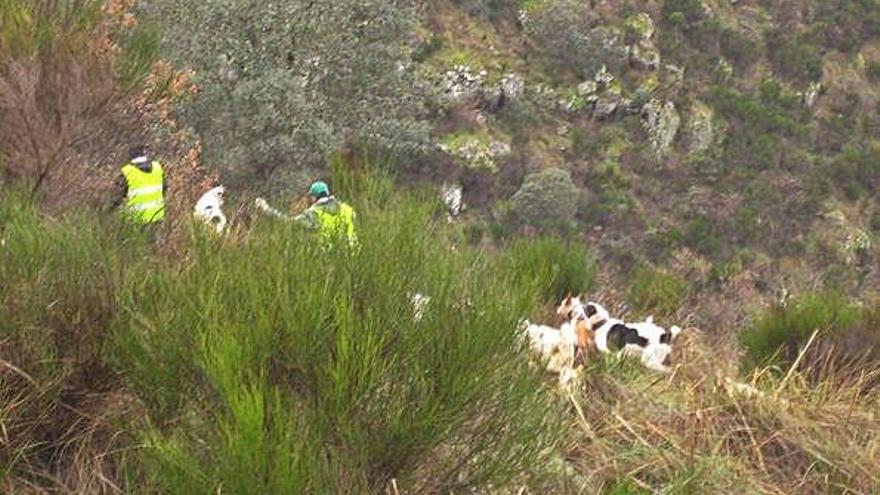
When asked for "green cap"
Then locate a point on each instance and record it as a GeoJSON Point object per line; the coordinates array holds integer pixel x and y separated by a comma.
{"type": "Point", "coordinates": [319, 189]}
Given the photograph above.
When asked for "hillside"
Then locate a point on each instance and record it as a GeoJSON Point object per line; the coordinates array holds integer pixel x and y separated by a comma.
{"type": "Point", "coordinates": [733, 144]}
{"type": "Point", "coordinates": [714, 163]}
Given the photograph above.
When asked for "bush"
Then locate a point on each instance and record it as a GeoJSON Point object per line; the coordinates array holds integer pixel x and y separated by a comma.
{"type": "Point", "coordinates": [564, 32]}
{"type": "Point", "coordinates": [546, 201]}
{"type": "Point", "coordinates": [856, 171]}
{"type": "Point", "coordinates": [741, 50]}
{"type": "Point", "coordinates": [777, 336]}
{"type": "Point", "coordinates": [563, 267]}
{"type": "Point", "coordinates": [657, 292]}
{"type": "Point", "coordinates": [795, 57]}
{"type": "Point", "coordinates": [305, 367]}
{"type": "Point", "coordinates": [679, 12]}
{"type": "Point", "coordinates": [268, 365]}
{"type": "Point", "coordinates": [701, 235]}
{"type": "Point", "coordinates": [319, 76]}
{"type": "Point", "coordinates": [490, 9]}
{"type": "Point", "coordinates": [57, 308]}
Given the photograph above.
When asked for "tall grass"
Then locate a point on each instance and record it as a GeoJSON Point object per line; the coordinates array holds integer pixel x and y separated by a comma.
{"type": "Point", "coordinates": [267, 364]}
{"type": "Point", "coordinates": [275, 365]}
{"type": "Point", "coordinates": [778, 336]}
{"type": "Point", "coordinates": [58, 280]}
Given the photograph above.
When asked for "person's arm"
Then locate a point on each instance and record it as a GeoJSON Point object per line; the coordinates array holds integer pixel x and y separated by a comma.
{"type": "Point", "coordinates": [308, 219]}
{"type": "Point", "coordinates": [272, 212]}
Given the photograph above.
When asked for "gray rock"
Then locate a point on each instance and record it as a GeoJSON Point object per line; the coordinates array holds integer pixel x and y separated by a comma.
{"type": "Point", "coordinates": [642, 57]}
{"type": "Point", "coordinates": [700, 128]}
{"type": "Point", "coordinates": [513, 85]}
{"type": "Point", "coordinates": [460, 82]}
{"type": "Point", "coordinates": [661, 121]}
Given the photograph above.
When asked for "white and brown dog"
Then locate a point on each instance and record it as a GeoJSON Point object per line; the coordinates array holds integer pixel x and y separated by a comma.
{"type": "Point", "coordinates": [553, 347]}
{"type": "Point", "coordinates": [579, 325]}
{"type": "Point", "coordinates": [646, 340]}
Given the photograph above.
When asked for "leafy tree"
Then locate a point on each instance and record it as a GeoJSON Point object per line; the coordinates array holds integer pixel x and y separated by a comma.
{"type": "Point", "coordinates": [282, 84]}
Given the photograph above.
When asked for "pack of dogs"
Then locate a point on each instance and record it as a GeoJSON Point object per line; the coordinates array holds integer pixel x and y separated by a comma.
{"type": "Point", "coordinates": [589, 330]}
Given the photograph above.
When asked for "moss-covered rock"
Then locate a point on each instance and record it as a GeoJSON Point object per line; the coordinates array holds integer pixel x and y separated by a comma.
{"type": "Point", "coordinates": [477, 151]}
{"type": "Point", "coordinates": [661, 121]}
{"type": "Point", "coordinates": [700, 130]}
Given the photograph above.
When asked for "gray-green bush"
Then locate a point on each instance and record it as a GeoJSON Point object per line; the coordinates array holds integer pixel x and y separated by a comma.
{"type": "Point", "coordinates": [567, 34]}
{"type": "Point", "coordinates": [283, 84]}
{"type": "Point", "coordinates": [547, 200]}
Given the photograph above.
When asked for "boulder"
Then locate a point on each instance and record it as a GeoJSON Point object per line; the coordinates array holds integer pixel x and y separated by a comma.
{"type": "Point", "coordinates": [661, 121]}
{"type": "Point", "coordinates": [700, 127]}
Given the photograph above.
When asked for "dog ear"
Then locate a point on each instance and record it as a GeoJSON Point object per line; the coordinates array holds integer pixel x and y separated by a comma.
{"type": "Point", "coordinates": [591, 310]}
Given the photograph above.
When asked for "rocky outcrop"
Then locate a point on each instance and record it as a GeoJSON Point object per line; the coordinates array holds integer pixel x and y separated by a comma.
{"type": "Point", "coordinates": [642, 52]}
{"type": "Point", "coordinates": [475, 151]}
{"type": "Point", "coordinates": [661, 121]}
{"type": "Point", "coordinates": [700, 129]}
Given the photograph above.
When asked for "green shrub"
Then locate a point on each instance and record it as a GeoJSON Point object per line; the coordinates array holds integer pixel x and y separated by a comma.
{"type": "Point", "coordinates": [547, 200]}
{"type": "Point", "coordinates": [856, 171]}
{"type": "Point", "coordinates": [57, 306]}
{"type": "Point", "coordinates": [318, 77]}
{"type": "Point", "coordinates": [845, 24]}
{"type": "Point", "coordinates": [303, 368]}
{"type": "Point", "coordinates": [702, 235]}
{"type": "Point", "coordinates": [795, 57]}
{"type": "Point", "coordinates": [657, 292]}
{"type": "Point", "coordinates": [777, 336]}
{"type": "Point", "coordinates": [739, 48]}
{"type": "Point", "coordinates": [680, 12]}
{"type": "Point", "coordinates": [564, 32]}
{"type": "Point", "coordinates": [873, 71]}
{"type": "Point", "coordinates": [490, 9]}
{"type": "Point", "coordinates": [269, 365]}
{"type": "Point", "coordinates": [563, 267]}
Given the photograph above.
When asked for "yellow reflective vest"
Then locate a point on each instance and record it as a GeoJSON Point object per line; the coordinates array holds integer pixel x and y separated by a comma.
{"type": "Point", "coordinates": [333, 225]}
{"type": "Point", "coordinates": [145, 202]}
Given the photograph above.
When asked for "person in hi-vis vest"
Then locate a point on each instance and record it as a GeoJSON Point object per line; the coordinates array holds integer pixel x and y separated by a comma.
{"type": "Point", "coordinates": [332, 219]}
{"type": "Point", "coordinates": [143, 188]}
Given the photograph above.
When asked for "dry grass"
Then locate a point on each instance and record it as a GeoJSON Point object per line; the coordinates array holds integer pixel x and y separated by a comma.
{"type": "Point", "coordinates": [702, 431]}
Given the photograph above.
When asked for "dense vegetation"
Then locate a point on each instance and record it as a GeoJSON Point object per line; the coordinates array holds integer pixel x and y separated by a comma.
{"type": "Point", "coordinates": [712, 163]}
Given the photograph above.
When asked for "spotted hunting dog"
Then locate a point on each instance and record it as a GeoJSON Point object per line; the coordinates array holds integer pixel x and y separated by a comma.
{"type": "Point", "coordinates": [651, 343]}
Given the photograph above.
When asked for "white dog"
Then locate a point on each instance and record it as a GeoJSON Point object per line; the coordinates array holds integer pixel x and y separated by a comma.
{"type": "Point", "coordinates": [208, 209]}
{"type": "Point", "coordinates": [651, 343]}
{"type": "Point", "coordinates": [452, 198]}
{"type": "Point", "coordinates": [553, 347]}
